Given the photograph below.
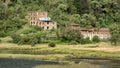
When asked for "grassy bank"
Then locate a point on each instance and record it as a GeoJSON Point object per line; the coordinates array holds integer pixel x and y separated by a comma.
{"type": "Point", "coordinates": [44, 52]}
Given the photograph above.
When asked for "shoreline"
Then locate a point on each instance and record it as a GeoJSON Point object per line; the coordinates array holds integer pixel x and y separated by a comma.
{"type": "Point", "coordinates": [58, 53]}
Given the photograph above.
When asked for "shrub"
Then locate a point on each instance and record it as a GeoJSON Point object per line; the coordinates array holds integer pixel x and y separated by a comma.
{"type": "Point", "coordinates": [16, 38]}
{"type": "Point", "coordinates": [51, 44]}
{"type": "Point", "coordinates": [70, 34]}
{"type": "Point", "coordinates": [2, 34]}
{"type": "Point", "coordinates": [0, 40]}
{"type": "Point", "coordinates": [33, 41]}
{"type": "Point", "coordinates": [82, 41]}
{"type": "Point", "coordinates": [96, 39]}
{"type": "Point", "coordinates": [24, 40]}
{"type": "Point", "coordinates": [36, 28]}
{"type": "Point", "coordinates": [27, 31]}
{"type": "Point", "coordinates": [73, 43]}
{"type": "Point", "coordinates": [87, 40]}
{"type": "Point", "coordinates": [115, 34]}
{"type": "Point", "coordinates": [30, 39]}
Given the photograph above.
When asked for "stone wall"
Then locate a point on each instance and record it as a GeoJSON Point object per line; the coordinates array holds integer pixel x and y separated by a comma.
{"type": "Point", "coordinates": [46, 25]}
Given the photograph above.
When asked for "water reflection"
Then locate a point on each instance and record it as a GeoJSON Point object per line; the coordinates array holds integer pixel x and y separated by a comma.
{"type": "Point", "coordinates": [81, 63]}
{"type": "Point", "coordinates": [96, 63]}
{"type": "Point", "coordinates": [87, 63]}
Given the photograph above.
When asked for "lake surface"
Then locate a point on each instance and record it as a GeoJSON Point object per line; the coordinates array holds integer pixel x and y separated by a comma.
{"type": "Point", "coordinates": [80, 63]}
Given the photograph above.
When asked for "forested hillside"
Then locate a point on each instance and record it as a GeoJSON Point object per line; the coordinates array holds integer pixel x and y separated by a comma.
{"type": "Point", "coordinates": [87, 13]}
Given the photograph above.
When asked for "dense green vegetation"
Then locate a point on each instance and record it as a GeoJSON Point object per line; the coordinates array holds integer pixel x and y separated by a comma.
{"type": "Point", "coordinates": [96, 39]}
{"type": "Point", "coordinates": [115, 32]}
{"type": "Point", "coordinates": [70, 35]}
{"type": "Point", "coordinates": [87, 13]}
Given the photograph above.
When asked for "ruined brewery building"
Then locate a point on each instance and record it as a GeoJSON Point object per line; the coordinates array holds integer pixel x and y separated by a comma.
{"type": "Point", "coordinates": [102, 33]}
{"type": "Point", "coordinates": [41, 19]}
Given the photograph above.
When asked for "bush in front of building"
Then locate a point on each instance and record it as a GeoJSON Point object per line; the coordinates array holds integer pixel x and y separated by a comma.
{"type": "Point", "coordinates": [33, 41]}
{"type": "Point", "coordinates": [96, 39]}
{"type": "Point", "coordinates": [115, 34]}
{"type": "Point", "coordinates": [73, 43]}
{"type": "Point", "coordinates": [51, 44]}
{"type": "Point", "coordinates": [87, 40]}
{"type": "Point", "coordinates": [30, 39]}
{"type": "Point", "coordinates": [16, 38]}
{"type": "Point", "coordinates": [24, 40]}
{"type": "Point", "coordinates": [70, 34]}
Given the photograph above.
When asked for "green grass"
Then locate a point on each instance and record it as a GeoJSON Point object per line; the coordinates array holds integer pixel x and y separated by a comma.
{"type": "Point", "coordinates": [6, 39]}
{"type": "Point", "coordinates": [57, 53]}
{"type": "Point", "coordinates": [52, 57]}
{"type": "Point", "coordinates": [65, 55]}
{"type": "Point", "coordinates": [60, 66]}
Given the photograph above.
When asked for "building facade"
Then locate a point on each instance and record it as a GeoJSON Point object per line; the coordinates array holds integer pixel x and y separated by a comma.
{"type": "Point", "coordinates": [41, 19]}
{"type": "Point", "coordinates": [102, 33]}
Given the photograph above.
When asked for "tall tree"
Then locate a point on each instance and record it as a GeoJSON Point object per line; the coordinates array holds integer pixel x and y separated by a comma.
{"type": "Point", "coordinates": [71, 7]}
{"type": "Point", "coordinates": [82, 6]}
{"type": "Point", "coordinates": [115, 34]}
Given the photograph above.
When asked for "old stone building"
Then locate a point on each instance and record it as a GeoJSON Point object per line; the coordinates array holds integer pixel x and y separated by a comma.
{"type": "Point", "coordinates": [102, 33]}
{"type": "Point", "coordinates": [41, 19]}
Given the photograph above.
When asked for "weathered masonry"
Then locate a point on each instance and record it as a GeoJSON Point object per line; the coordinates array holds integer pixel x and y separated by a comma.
{"type": "Point", "coordinates": [102, 33]}
{"type": "Point", "coordinates": [41, 19]}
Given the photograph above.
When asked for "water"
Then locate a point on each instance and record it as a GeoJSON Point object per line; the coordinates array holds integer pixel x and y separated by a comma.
{"type": "Point", "coordinates": [80, 63]}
